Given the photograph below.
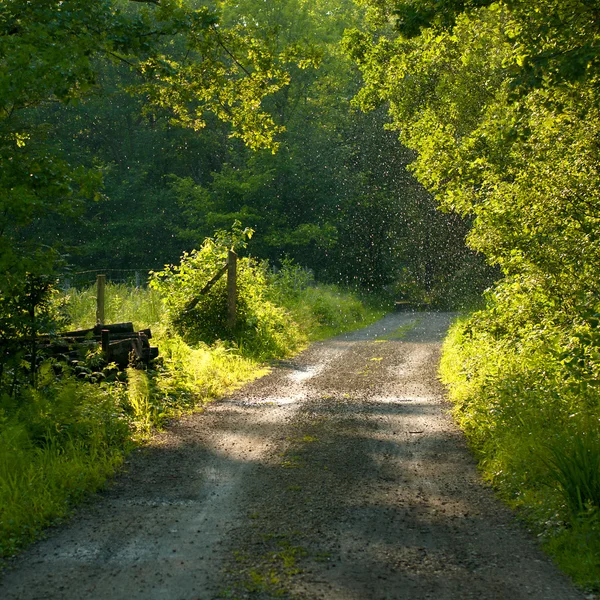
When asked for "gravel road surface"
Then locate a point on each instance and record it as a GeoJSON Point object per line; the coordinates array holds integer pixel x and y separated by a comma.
{"type": "Point", "coordinates": [339, 475]}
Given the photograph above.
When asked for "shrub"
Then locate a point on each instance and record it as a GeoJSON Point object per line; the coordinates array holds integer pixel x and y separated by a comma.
{"type": "Point", "coordinates": [262, 328]}
{"type": "Point", "coordinates": [523, 377]}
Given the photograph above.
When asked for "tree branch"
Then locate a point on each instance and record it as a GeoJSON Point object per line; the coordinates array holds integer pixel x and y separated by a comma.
{"type": "Point", "coordinates": [115, 55]}
{"type": "Point", "coordinates": [235, 60]}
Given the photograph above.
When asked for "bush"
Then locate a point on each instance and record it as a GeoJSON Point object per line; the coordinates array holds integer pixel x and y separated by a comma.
{"type": "Point", "coordinates": [523, 374]}
{"type": "Point", "coordinates": [262, 328]}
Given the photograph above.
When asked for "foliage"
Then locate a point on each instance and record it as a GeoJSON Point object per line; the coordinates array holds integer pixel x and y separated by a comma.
{"type": "Point", "coordinates": [496, 141]}
{"type": "Point", "coordinates": [201, 315]}
{"type": "Point", "coordinates": [533, 426]}
{"type": "Point", "coordinates": [167, 185]}
{"type": "Point", "coordinates": [25, 312]}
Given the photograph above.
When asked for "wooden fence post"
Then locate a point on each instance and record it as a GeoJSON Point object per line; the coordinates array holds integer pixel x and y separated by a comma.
{"type": "Point", "coordinates": [231, 288]}
{"type": "Point", "coordinates": [105, 340]}
{"type": "Point", "coordinates": [100, 287]}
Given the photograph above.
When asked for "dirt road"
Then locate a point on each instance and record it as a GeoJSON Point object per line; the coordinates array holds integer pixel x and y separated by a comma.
{"type": "Point", "coordinates": [337, 476]}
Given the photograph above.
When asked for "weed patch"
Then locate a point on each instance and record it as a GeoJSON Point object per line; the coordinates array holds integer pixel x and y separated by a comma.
{"type": "Point", "coordinates": [270, 573]}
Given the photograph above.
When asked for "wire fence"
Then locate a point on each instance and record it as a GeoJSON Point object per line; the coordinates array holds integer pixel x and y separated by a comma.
{"type": "Point", "coordinates": [85, 279]}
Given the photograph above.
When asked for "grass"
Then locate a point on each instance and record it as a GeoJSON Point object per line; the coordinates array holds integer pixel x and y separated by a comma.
{"type": "Point", "coordinates": [59, 445]}
{"type": "Point", "coordinates": [535, 433]}
{"type": "Point", "coordinates": [327, 310]}
{"type": "Point", "coordinates": [573, 464]}
{"type": "Point", "coordinates": [64, 439]}
{"type": "Point", "coordinates": [123, 303]}
{"type": "Point", "coordinates": [271, 572]}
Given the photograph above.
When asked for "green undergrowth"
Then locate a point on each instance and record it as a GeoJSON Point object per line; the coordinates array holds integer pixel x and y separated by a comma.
{"type": "Point", "coordinates": [527, 398]}
{"type": "Point", "coordinates": [64, 438]}
{"type": "Point", "coordinates": [323, 310]}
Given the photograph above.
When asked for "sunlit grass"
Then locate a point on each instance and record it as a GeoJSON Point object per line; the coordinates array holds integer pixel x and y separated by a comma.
{"type": "Point", "coordinates": [56, 447]}
{"type": "Point", "coordinates": [327, 310]}
{"type": "Point", "coordinates": [536, 437]}
{"type": "Point", "coordinates": [39, 486]}
{"type": "Point", "coordinates": [123, 303]}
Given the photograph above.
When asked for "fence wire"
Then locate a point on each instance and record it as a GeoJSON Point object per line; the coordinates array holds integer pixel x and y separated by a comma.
{"type": "Point", "coordinates": [85, 279]}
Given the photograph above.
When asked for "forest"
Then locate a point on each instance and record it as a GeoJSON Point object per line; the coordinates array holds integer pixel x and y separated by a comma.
{"type": "Point", "coordinates": [354, 153]}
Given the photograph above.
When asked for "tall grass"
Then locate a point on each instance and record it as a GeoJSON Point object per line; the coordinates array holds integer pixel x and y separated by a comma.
{"type": "Point", "coordinates": [535, 431]}
{"type": "Point", "coordinates": [56, 446]}
{"type": "Point", "coordinates": [574, 469]}
{"type": "Point", "coordinates": [123, 303]}
{"type": "Point", "coordinates": [324, 310]}
{"type": "Point", "coordinates": [138, 395]}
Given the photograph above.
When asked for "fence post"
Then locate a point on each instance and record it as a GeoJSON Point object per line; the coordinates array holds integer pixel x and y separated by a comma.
{"type": "Point", "coordinates": [105, 337]}
{"type": "Point", "coordinates": [100, 287]}
{"type": "Point", "coordinates": [231, 288]}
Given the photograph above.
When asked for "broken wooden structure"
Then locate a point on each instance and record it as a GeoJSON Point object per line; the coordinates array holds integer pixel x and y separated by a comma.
{"type": "Point", "coordinates": [120, 343]}
{"type": "Point", "coordinates": [230, 267]}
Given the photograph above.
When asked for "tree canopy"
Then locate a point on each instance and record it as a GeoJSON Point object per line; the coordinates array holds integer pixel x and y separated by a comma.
{"type": "Point", "coordinates": [173, 56]}
{"type": "Point", "coordinates": [500, 102]}
{"type": "Point", "coordinates": [160, 122]}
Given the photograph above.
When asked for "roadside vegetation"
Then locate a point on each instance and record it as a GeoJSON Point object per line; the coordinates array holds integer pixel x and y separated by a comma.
{"type": "Point", "coordinates": [64, 436]}
{"type": "Point", "coordinates": [528, 401]}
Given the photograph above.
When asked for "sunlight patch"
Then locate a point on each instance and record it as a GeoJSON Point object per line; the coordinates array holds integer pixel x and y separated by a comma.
{"type": "Point", "coordinates": [302, 375]}
{"type": "Point", "coordinates": [279, 400]}
{"type": "Point", "coordinates": [401, 399]}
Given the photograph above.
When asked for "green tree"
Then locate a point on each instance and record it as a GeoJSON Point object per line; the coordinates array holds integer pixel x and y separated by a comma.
{"type": "Point", "coordinates": [177, 61]}
{"type": "Point", "coordinates": [500, 103]}
{"type": "Point", "coordinates": [334, 197]}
